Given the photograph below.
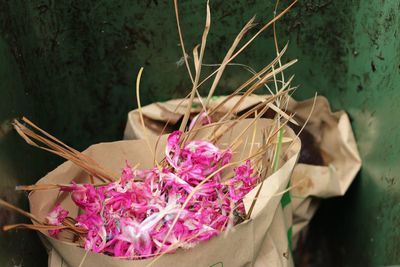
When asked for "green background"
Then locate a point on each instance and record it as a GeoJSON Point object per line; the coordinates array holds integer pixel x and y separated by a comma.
{"type": "Point", "coordinates": [70, 67]}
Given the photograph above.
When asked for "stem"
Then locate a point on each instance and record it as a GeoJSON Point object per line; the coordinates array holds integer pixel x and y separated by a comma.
{"type": "Point", "coordinates": [278, 150]}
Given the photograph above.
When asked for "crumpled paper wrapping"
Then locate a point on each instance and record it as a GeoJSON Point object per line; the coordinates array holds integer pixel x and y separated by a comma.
{"type": "Point", "coordinates": [333, 142]}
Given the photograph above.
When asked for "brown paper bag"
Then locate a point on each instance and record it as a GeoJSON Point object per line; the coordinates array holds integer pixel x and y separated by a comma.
{"type": "Point", "coordinates": [251, 243]}
{"type": "Point", "coordinates": [327, 166]}
{"type": "Point", "coordinates": [341, 161]}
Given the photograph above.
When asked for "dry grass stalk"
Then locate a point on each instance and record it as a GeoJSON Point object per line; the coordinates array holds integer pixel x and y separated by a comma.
{"type": "Point", "coordinates": [228, 55]}
{"type": "Point", "coordinates": [198, 60]}
{"type": "Point", "coordinates": [49, 143]}
{"type": "Point", "coordinates": [39, 224]}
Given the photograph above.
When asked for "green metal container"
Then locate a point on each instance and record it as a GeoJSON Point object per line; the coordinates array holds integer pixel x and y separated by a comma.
{"type": "Point", "coordinates": [70, 67]}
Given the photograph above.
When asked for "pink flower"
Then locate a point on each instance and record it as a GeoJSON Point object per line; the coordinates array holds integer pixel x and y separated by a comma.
{"type": "Point", "coordinates": [85, 196]}
{"type": "Point", "coordinates": [172, 150]}
{"type": "Point", "coordinates": [137, 215]}
{"type": "Point", "coordinates": [137, 238]}
{"type": "Point", "coordinates": [243, 181]}
{"type": "Point", "coordinates": [56, 217]}
{"type": "Point", "coordinates": [127, 174]}
{"type": "Point", "coordinates": [96, 239]}
{"type": "Point", "coordinates": [202, 118]}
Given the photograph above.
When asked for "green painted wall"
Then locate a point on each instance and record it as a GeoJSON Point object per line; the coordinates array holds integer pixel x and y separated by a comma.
{"type": "Point", "coordinates": [363, 228]}
{"type": "Point", "coordinates": [70, 66]}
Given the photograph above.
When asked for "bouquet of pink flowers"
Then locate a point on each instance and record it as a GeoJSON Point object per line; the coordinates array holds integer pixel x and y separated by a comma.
{"type": "Point", "coordinates": [194, 191]}
{"type": "Point", "coordinates": [150, 211]}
